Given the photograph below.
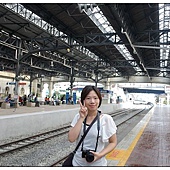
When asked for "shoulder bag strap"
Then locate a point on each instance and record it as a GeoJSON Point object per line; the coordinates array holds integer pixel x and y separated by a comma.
{"type": "Point", "coordinates": [85, 133]}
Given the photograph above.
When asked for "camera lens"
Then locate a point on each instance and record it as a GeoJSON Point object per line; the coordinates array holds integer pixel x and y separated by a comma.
{"type": "Point", "coordinates": [89, 157]}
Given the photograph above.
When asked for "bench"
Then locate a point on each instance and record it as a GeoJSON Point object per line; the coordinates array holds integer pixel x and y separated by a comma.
{"type": "Point", "coordinates": [1, 103]}
{"type": "Point", "coordinates": [30, 104]}
{"type": "Point", "coordinates": [14, 104]}
{"type": "Point", "coordinates": [5, 105]}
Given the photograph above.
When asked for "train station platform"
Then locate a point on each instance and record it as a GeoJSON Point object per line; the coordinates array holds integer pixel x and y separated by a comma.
{"type": "Point", "coordinates": [42, 108]}
{"type": "Point", "coordinates": [148, 143]}
{"type": "Point", "coordinates": [27, 121]}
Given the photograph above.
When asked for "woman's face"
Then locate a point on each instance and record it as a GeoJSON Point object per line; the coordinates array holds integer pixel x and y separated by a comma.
{"type": "Point", "coordinates": [92, 101]}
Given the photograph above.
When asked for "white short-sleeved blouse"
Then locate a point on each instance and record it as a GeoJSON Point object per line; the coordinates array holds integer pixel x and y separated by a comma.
{"type": "Point", "coordinates": [107, 129]}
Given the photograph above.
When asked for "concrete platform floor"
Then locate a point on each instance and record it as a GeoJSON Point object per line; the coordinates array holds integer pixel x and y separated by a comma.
{"type": "Point", "coordinates": [25, 109]}
{"type": "Point", "coordinates": [148, 144]}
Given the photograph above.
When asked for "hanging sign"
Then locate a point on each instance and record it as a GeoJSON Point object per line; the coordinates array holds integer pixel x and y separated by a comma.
{"type": "Point", "coordinates": [167, 89]}
{"type": "Point", "coordinates": [21, 83]}
{"type": "Point", "coordinates": [10, 83]}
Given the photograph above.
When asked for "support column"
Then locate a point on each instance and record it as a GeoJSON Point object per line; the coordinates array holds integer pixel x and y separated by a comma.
{"type": "Point", "coordinates": [107, 85]}
{"type": "Point", "coordinates": [30, 86]}
{"type": "Point", "coordinates": [108, 88]}
{"type": "Point", "coordinates": [41, 86]}
{"type": "Point", "coordinates": [17, 56]}
{"type": "Point", "coordinates": [71, 78]}
{"type": "Point", "coordinates": [168, 98]}
{"type": "Point", "coordinates": [34, 88]}
{"type": "Point", "coordinates": [51, 86]}
{"type": "Point", "coordinates": [96, 79]}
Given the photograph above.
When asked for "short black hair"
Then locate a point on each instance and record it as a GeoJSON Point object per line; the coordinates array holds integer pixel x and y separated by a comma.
{"type": "Point", "coordinates": [87, 89]}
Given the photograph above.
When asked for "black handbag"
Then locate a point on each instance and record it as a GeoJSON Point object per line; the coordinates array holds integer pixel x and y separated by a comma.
{"type": "Point", "coordinates": [68, 161]}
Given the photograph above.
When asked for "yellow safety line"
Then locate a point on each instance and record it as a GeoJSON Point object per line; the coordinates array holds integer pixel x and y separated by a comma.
{"type": "Point", "coordinates": [122, 162]}
{"type": "Point", "coordinates": [123, 155]}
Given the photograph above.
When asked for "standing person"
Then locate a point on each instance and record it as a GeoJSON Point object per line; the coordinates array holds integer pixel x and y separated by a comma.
{"type": "Point", "coordinates": [37, 103]}
{"type": "Point", "coordinates": [24, 100]}
{"type": "Point", "coordinates": [90, 102]}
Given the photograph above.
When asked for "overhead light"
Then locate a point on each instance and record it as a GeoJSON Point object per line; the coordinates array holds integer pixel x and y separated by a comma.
{"type": "Point", "coordinates": [52, 64]}
{"type": "Point", "coordinates": [68, 50]}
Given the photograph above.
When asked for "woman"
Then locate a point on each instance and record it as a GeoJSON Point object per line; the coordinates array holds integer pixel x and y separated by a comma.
{"type": "Point", "coordinates": [90, 102]}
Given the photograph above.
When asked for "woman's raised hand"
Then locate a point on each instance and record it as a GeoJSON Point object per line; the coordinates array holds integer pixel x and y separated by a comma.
{"type": "Point", "coordinates": [83, 110]}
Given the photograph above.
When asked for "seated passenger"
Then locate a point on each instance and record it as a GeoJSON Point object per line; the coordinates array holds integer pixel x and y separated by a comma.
{"type": "Point", "coordinates": [30, 97]}
{"type": "Point", "coordinates": [8, 100]}
{"type": "Point", "coordinates": [56, 101]}
{"type": "Point", "coordinates": [37, 103]}
{"type": "Point", "coordinates": [47, 100]}
{"type": "Point", "coordinates": [70, 101]}
{"type": "Point", "coordinates": [20, 101]}
{"type": "Point", "coordinates": [62, 99]}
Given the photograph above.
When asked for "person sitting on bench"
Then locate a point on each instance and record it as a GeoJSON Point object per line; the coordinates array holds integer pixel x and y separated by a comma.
{"type": "Point", "coordinates": [8, 100]}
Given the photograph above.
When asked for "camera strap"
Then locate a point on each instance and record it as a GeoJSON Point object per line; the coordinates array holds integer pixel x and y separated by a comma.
{"type": "Point", "coordinates": [85, 133]}
{"type": "Point", "coordinates": [98, 128]}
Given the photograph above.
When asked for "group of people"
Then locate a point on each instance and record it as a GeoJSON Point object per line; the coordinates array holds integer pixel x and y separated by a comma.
{"type": "Point", "coordinates": [34, 99]}
{"type": "Point", "coordinates": [54, 101]}
{"type": "Point", "coordinates": [22, 100]}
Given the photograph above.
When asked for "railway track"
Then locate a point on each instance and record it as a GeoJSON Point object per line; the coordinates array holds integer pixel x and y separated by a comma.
{"type": "Point", "coordinates": [22, 143]}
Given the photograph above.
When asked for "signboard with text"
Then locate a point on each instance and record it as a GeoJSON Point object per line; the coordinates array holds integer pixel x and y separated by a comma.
{"type": "Point", "coordinates": [167, 89]}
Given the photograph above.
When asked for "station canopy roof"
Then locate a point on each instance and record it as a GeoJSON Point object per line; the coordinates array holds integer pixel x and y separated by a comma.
{"type": "Point", "coordinates": [88, 41]}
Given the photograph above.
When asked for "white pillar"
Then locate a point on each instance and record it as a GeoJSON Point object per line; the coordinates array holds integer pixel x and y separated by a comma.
{"type": "Point", "coordinates": [51, 87]}
{"type": "Point", "coordinates": [34, 86]}
{"type": "Point", "coordinates": [107, 86]}
{"type": "Point", "coordinates": [167, 98]}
